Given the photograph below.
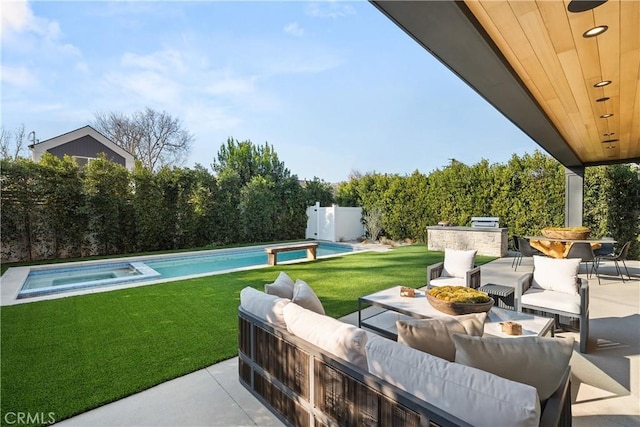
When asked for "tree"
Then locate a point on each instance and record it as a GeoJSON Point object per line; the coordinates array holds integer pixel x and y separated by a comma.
{"type": "Point", "coordinates": [154, 138]}
{"type": "Point", "coordinates": [13, 144]}
{"type": "Point", "coordinates": [238, 164]}
{"type": "Point", "coordinates": [317, 190]}
{"type": "Point", "coordinates": [249, 160]}
{"type": "Point", "coordinates": [62, 202]}
{"type": "Point", "coordinates": [106, 190]}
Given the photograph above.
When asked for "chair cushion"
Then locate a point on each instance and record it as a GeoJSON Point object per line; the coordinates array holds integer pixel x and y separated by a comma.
{"type": "Point", "coordinates": [282, 287]}
{"type": "Point", "coordinates": [304, 296]}
{"type": "Point", "coordinates": [474, 396]}
{"type": "Point", "coordinates": [340, 339]}
{"type": "Point", "coordinates": [537, 361]}
{"type": "Point", "coordinates": [560, 275]}
{"type": "Point", "coordinates": [458, 262]}
{"type": "Point", "coordinates": [551, 299]}
{"type": "Point", "coordinates": [266, 307]}
{"type": "Point", "coordinates": [448, 281]}
{"type": "Point", "coordinates": [433, 336]}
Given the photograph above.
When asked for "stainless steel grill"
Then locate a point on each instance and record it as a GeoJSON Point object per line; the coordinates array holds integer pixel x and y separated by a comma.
{"type": "Point", "coordinates": [485, 221]}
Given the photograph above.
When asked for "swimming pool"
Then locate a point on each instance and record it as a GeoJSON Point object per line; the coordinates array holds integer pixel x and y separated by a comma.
{"type": "Point", "coordinates": [51, 280]}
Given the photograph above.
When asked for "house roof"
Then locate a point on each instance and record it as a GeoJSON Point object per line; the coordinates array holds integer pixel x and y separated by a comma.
{"type": "Point", "coordinates": [531, 61]}
{"type": "Point", "coordinates": [79, 133]}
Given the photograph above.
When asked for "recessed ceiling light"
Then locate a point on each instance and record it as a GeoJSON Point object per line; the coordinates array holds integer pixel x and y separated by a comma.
{"type": "Point", "coordinates": [606, 116]}
{"type": "Point", "coordinates": [604, 98]}
{"type": "Point", "coordinates": [595, 31]}
{"type": "Point", "coordinates": [602, 83]}
{"type": "Point", "coordinates": [609, 141]}
{"type": "Point", "coordinates": [609, 134]}
{"type": "Point", "coordinates": [576, 6]}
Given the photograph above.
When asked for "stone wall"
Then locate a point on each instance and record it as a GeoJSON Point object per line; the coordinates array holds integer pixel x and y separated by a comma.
{"type": "Point", "coordinates": [487, 241]}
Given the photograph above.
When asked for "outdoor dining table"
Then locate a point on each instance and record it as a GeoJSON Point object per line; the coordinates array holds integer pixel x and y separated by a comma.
{"type": "Point", "coordinates": [558, 248]}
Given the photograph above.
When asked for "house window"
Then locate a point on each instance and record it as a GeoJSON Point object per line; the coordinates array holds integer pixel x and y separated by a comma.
{"type": "Point", "coordinates": [83, 161]}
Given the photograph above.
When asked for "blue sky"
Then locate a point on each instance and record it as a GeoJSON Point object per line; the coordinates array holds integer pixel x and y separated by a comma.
{"type": "Point", "coordinates": [334, 86]}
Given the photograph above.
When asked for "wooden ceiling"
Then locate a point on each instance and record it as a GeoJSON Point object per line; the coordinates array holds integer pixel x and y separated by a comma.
{"type": "Point", "coordinates": [544, 44]}
{"type": "Point", "coordinates": [542, 51]}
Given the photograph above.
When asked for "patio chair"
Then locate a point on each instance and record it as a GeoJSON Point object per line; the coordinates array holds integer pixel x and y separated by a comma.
{"type": "Point", "coordinates": [457, 269]}
{"type": "Point", "coordinates": [620, 257]}
{"type": "Point", "coordinates": [583, 251]}
{"type": "Point", "coordinates": [605, 249]}
{"type": "Point", "coordinates": [526, 250]}
{"type": "Point", "coordinates": [554, 288]}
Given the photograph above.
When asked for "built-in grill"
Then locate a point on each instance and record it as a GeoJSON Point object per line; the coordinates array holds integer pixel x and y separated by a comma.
{"type": "Point", "coordinates": [485, 221]}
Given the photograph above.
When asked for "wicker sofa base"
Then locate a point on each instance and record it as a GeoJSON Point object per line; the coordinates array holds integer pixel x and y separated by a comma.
{"type": "Point", "coordinates": [304, 386]}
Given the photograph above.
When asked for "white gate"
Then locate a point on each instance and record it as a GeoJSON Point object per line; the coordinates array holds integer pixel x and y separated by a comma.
{"type": "Point", "coordinates": [334, 224]}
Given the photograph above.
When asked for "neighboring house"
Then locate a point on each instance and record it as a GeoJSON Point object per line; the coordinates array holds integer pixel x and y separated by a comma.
{"type": "Point", "coordinates": [84, 144]}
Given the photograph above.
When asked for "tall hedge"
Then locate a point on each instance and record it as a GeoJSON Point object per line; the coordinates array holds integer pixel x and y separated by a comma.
{"type": "Point", "coordinates": [527, 194]}
{"type": "Point", "coordinates": [53, 209]}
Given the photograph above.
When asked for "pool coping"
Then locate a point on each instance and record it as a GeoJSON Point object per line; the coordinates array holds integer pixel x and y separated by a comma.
{"type": "Point", "coordinates": [12, 280]}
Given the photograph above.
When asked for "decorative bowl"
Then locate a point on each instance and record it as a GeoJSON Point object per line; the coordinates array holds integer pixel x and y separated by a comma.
{"type": "Point", "coordinates": [458, 308]}
{"type": "Point", "coordinates": [566, 233]}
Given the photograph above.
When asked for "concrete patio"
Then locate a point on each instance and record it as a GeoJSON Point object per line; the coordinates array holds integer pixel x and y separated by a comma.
{"type": "Point", "coordinates": [605, 383]}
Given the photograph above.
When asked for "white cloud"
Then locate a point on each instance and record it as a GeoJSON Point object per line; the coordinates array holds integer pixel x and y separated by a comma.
{"type": "Point", "coordinates": [16, 16]}
{"type": "Point", "coordinates": [17, 76]}
{"type": "Point", "coordinates": [231, 86]}
{"type": "Point", "coordinates": [22, 29]}
{"type": "Point", "coordinates": [330, 9]}
{"type": "Point", "coordinates": [202, 118]}
{"type": "Point", "coordinates": [148, 86]}
{"type": "Point", "coordinates": [166, 60]}
{"type": "Point", "coordinates": [294, 29]}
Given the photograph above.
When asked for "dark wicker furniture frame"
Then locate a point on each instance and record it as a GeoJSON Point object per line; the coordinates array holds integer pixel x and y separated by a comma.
{"type": "Point", "coordinates": [305, 386]}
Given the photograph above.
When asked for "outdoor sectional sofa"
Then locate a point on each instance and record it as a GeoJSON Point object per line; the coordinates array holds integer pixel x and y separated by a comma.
{"type": "Point", "coordinates": [353, 377]}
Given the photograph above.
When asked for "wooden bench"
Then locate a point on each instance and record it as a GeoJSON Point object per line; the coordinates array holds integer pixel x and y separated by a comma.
{"type": "Point", "coordinates": [272, 252]}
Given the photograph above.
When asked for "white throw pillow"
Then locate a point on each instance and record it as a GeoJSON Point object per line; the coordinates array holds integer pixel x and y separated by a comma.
{"type": "Point", "coordinates": [340, 339]}
{"type": "Point", "coordinates": [458, 262]}
{"type": "Point", "coordinates": [537, 361]}
{"type": "Point", "coordinates": [282, 287]}
{"type": "Point", "coordinates": [264, 306]}
{"type": "Point", "coordinates": [474, 396]}
{"type": "Point", "coordinates": [433, 336]}
{"type": "Point", "coordinates": [560, 275]}
{"type": "Point", "coordinates": [304, 296]}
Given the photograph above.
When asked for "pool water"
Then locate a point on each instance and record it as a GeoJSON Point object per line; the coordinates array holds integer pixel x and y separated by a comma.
{"type": "Point", "coordinates": [186, 266]}
{"type": "Point", "coordinates": [56, 280]}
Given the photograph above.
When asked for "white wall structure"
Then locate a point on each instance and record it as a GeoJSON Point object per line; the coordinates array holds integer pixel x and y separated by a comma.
{"type": "Point", "coordinates": [334, 224]}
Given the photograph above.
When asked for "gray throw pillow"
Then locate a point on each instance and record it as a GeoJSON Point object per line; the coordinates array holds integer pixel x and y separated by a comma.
{"type": "Point", "coordinates": [433, 336]}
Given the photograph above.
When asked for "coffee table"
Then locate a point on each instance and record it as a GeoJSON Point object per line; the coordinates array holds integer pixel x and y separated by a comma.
{"type": "Point", "coordinates": [393, 307]}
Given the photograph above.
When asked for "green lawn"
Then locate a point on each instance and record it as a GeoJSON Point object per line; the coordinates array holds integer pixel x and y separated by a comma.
{"type": "Point", "coordinates": [73, 354]}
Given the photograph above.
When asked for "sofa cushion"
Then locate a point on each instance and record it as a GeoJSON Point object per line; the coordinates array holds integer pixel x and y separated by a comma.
{"type": "Point", "coordinates": [433, 336]}
{"type": "Point", "coordinates": [340, 339]}
{"type": "Point", "coordinates": [264, 306]}
{"type": "Point", "coordinates": [304, 296]}
{"type": "Point", "coordinates": [558, 275]}
{"type": "Point", "coordinates": [282, 287]}
{"type": "Point", "coordinates": [474, 396]}
{"type": "Point", "coordinates": [458, 262]}
{"type": "Point", "coordinates": [448, 281]}
{"type": "Point", "coordinates": [537, 361]}
{"type": "Point", "coordinates": [551, 300]}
